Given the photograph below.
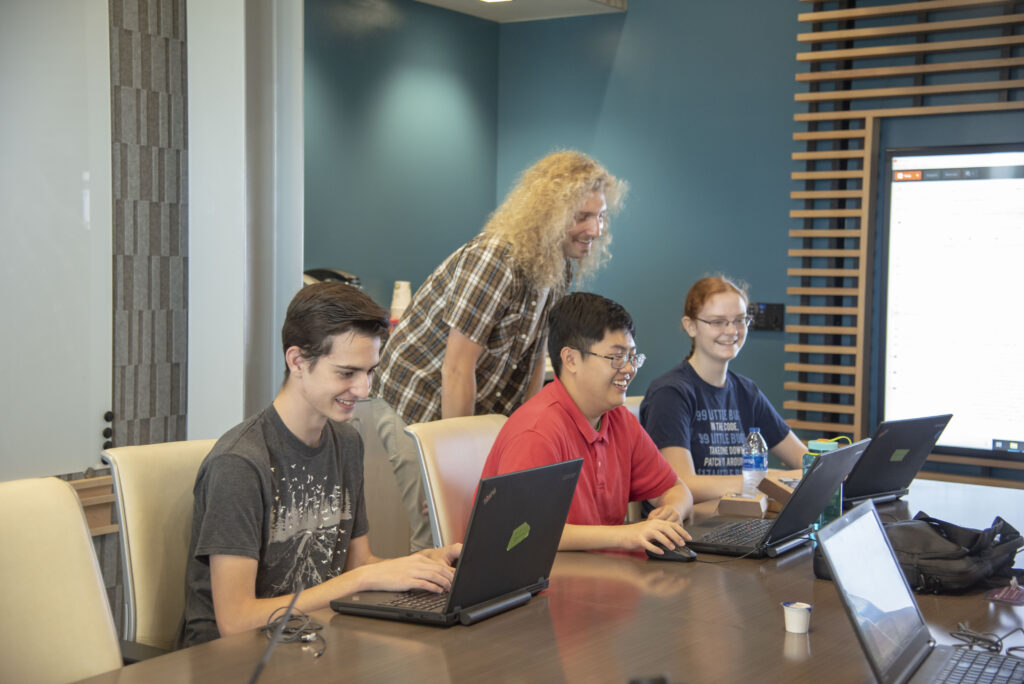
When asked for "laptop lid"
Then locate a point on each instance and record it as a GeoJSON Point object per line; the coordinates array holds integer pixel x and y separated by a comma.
{"type": "Point", "coordinates": [805, 504]}
{"type": "Point", "coordinates": [513, 532]}
{"type": "Point", "coordinates": [875, 594]}
{"type": "Point", "coordinates": [814, 490]}
{"type": "Point", "coordinates": [509, 548]}
{"type": "Point", "coordinates": [898, 450]}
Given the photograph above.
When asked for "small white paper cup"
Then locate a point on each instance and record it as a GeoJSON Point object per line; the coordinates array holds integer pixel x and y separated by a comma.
{"type": "Point", "coordinates": [798, 616]}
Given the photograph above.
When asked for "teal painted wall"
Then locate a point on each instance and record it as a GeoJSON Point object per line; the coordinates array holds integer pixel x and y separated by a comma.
{"type": "Point", "coordinates": [417, 127]}
{"type": "Point", "coordinates": [401, 136]}
{"type": "Point", "coordinates": [418, 120]}
{"type": "Point", "coordinates": [692, 103]}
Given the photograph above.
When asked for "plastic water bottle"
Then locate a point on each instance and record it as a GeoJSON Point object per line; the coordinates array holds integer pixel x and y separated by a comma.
{"type": "Point", "coordinates": [755, 461]}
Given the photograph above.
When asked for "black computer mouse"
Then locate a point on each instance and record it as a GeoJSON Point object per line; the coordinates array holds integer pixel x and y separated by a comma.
{"type": "Point", "coordinates": [683, 554]}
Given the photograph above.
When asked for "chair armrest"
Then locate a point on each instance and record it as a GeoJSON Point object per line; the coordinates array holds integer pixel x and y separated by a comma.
{"type": "Point", "coordinates": [133, 652]}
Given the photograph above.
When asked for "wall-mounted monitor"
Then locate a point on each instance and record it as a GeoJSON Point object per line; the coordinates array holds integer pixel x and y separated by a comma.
{"type": "Point", "coordinates": [952, 285]}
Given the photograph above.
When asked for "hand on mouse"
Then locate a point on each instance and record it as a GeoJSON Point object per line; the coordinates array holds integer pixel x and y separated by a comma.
{"type": "Point", "coordinates": [647, 534]}
{"type": "Point", "coordinates": [680, 553]}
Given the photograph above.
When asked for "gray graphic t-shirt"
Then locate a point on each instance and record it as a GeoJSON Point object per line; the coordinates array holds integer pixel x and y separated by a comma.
{"type": "Point", "coordinates": [264, 494]}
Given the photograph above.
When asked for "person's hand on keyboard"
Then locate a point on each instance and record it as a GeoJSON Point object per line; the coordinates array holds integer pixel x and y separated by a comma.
{"type": "Point", "coordinates": [423, 570]}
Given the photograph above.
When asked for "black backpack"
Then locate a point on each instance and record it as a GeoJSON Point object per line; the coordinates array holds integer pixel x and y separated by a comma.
{"type": "Point", "coordinates": [940, 557]}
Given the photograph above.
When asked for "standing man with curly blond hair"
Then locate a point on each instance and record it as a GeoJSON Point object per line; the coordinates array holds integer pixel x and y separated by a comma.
{"type": "Point", "coordinates": [472, 339]}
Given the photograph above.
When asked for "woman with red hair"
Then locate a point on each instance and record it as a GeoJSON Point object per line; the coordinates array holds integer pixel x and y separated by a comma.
{"type": "Point", "coordinates": [699, 412]}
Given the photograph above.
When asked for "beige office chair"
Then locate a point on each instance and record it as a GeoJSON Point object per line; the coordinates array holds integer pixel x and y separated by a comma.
{"type": "Point", "coordinates": [153, 484]}
{"type": "Point", "coordinates": [633, 404]}
{"type": "Point", "coordinates": [634, 513]}
{"type": "Point", "coordinates": [452, 455]}
{"type": "Point", "coordinates": [55, 625]}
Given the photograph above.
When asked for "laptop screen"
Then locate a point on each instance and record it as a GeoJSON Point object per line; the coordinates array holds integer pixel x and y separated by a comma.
{"type": "Point", "coordinates": [881, 607]}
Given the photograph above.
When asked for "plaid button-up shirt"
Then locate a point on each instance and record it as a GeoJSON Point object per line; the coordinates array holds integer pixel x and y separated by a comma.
{"type": "Point", "coordinates": [480, 292]}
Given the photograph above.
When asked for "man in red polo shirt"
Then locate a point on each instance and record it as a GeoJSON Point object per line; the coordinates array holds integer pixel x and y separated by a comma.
{"type": "Point", "coordinates": [581, 415]}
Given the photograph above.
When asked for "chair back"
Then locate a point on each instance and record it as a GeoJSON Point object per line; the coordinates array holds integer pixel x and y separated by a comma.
{"type": "Point", "coordinates": [634, 512]}
{"type": "Point", "coordinates": [55, 625]}
{"type": "Point", "coordinates": [153, 484]}
{"type": "Point", "coordinates": [452, 455]}
{"type": "Point", "coordinates": [633, 404]}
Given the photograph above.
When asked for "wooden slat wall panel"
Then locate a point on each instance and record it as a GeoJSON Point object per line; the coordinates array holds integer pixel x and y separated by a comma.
{"type": "Point", "coordinates": [908, 29]}
{"type": "Point", "coordinates": [887, 51]}
{"type": "Point", "coordinates": [822, 329]}
{"type": "Point", "coordinates": [907, 111]}
{"type": "Point", "coordinates": [819, 388]}
{"type": "Point", "coordinates": [866, 64]}
{"type": "Point", "coordinates": [822, 232]}
{"type": "Point", "coordinates": [908, 92]}
{"type": "Point", "coordinates": [893, 9]}
{"type": "Point", "coordinates": [910, 70]}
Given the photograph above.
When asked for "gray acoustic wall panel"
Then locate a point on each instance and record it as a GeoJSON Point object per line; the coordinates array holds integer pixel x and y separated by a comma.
{"type": "Point", "coordinates": [150, 215]}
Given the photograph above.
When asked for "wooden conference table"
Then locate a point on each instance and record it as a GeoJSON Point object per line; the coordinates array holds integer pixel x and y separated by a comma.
{"type": "Point", "coordinates": [612, 617]}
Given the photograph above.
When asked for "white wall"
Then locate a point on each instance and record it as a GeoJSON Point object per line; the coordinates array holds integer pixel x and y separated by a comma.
{"type": "Point", "coordinates": [216, 216]}
{"type": "Point", "coordinates": [275, 165]}
{"type": "Point", "coordinates": [245, 202]}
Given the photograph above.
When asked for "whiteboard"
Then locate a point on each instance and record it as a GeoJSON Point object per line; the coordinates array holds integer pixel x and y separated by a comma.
{"type": "Point", "coordinates": [55, 264]}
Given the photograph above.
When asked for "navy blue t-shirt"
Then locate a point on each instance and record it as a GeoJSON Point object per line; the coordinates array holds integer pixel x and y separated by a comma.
{"type": "Point", "coordinates": [681, 410]}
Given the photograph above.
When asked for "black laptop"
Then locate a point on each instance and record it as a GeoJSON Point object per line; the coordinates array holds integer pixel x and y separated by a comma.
{"type": "Point", "coordinates": [755, 537]}
{"type": "Point", "coordinates": [509, 548]}
{"type": "Point", "coordinates": [885, 616]}
{"type": "Point", "coordinates": [898, 450]}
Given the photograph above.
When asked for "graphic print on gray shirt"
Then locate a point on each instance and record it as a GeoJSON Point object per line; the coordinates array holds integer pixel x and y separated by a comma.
{"type": "Point", "coordinates": [264, 494]}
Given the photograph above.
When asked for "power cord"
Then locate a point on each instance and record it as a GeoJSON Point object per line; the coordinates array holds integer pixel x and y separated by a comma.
{"type": "Point", "coordinates": [987, 641]}
{"type": "Point", "coordinates": [298, 627]}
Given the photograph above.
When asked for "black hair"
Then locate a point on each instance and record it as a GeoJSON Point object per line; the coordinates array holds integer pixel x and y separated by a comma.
{"type": "Point", "coordinates": [582, 319]}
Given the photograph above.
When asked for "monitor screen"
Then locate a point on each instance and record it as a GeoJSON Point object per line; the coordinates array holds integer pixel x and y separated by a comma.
{"type": "Point", "coordinates": [953, 253]}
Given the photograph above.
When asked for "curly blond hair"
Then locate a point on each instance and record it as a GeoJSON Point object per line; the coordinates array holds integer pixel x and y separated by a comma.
{"type": "Point", "coordinates": [538, 212]}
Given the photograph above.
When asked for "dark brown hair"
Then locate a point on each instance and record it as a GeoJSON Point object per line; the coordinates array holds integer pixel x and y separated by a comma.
{"type": "Point", "coordinates": [319, 312]}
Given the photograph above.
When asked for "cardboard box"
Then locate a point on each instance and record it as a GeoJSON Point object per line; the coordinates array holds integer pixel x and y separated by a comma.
{"type": "Point", "coordinates": [746, 506]}
{"type": "Point", "coordinates": [779, 485]}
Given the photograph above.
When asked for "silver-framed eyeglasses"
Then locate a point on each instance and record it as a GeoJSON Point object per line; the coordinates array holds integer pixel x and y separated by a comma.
{"type": "Point", "coordinates": [740, 323]}
{"type": "Point", "coordinates": [618, 361]}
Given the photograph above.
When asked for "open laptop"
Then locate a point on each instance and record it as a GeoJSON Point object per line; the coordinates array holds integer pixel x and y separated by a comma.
{"type": "Point", "coordinates": [884, 614]}
{"type": "Point", "coordinates": [736, 536]}
{"type": "Point", "coordinates": [898, 450]}
{"type": "Point", "coordinates": [510, 546]}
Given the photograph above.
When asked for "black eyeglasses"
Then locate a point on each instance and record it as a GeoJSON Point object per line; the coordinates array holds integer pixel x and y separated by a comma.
{"type": "Point", "coordinates": [619, 360]}
{"type": "Point", "coordinates": [740, 323]}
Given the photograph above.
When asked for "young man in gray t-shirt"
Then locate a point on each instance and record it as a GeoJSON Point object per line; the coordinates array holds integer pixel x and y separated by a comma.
{"type": "Point", "coordinates": [279, 499]}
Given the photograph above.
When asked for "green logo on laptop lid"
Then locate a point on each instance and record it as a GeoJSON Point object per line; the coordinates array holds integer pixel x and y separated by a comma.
{"type": "Point", "coordinates": [898, 455]}
{"type": "Point", "coordinates": [518, 535]}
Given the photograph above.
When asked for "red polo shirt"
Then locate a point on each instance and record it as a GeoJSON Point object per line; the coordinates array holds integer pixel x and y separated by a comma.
{"type": "Point", "coordinates": [620, 462]}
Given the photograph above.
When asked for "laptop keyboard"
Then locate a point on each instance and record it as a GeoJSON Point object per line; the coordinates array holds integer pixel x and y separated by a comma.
{"type": "Point", "coordinates": [741, 533]}
{"type": "Point", "coordinates": [981, 666]}
{"type": "Point", "coordinates": [419, 600]}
